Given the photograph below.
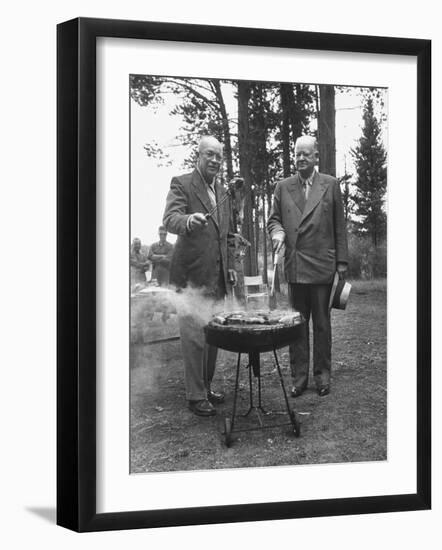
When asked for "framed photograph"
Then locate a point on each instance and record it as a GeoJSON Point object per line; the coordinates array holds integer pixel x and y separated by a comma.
{"type": "Point", "coordinates": [243, 274]}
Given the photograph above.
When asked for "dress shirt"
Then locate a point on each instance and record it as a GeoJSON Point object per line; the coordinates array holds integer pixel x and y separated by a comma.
{"type": "Point", "coordinates": [212, 198]}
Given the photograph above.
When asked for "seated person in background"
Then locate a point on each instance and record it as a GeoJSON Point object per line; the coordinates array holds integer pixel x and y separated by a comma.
{"type": "Point", "coordinates": [139, 264]}
{"type": "Point", "coordinates": [160, 254]}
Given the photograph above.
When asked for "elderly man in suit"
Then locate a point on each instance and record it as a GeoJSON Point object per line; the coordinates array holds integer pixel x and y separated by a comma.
{"type": "Point", "coordinates": [201, 266]}
{"type": "Point", "coordinates": [308, 217]}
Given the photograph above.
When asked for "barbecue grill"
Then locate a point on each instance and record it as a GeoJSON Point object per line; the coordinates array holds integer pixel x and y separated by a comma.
{"type": "Point", "coordinates": [253, 333]}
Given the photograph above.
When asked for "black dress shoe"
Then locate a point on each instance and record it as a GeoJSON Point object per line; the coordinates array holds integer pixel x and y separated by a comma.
{"type": "Point", "coordinates": [202, 408]}
{"type": "Point", "coordinates": [215, 396]}
{"type": "Point", "coordinates": [323, 391]}
{"type": "Point", "coordinates": [296, 392]}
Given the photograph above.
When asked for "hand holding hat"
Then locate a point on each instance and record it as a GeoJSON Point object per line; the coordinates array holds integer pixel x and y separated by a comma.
{"type": "Point", "coordinates": [340, 290]}
{"type": "Point", "coordinates": [341, 268]}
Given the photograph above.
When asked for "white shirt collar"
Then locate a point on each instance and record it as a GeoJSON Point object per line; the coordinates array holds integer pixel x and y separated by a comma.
{"type": "Point", "coordinates": [307, 181]}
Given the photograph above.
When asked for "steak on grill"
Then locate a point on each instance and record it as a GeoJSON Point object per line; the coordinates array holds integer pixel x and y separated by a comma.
{"type": "Point", "coordinates": [258, 317]}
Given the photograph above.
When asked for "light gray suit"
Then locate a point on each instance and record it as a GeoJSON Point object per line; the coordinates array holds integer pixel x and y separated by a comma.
{"type": "Point", "coordinates": [200, 260]}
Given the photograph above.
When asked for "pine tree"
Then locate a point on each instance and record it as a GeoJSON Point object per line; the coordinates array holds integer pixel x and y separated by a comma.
{"type": "Point", "coordinates": [371, 178]}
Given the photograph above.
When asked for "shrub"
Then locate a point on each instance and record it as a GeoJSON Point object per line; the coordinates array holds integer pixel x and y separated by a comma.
{"type": "Point", "coordinates": [365, 261]}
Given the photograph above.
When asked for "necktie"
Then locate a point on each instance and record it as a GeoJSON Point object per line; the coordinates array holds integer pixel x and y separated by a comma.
{"type": "Point", "coordinates": [302, 199]}
{"type": "Point", "coordinates": [306, 189]}
{"type": "Point", "coordinates": [212, 196]}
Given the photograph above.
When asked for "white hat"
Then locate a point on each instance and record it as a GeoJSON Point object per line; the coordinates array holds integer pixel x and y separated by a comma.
{"type": "Point", "coordinates": [339, 293]}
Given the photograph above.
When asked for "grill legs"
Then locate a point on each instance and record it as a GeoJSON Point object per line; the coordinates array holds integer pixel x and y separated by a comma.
{"type": "Point", "coordinates": [235, 397]}
{"type": "Point", "coordinates": [255, 367]}
{"type": "Point", "coordinates": [281, 379]}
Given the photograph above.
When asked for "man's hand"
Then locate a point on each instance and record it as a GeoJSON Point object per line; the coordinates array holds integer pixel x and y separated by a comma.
{"type": "Point", "coordinates": [197, 221]}
{"type": "Point", "coordinates": [341, 268]}
{"type": "Point", "coordinates": [233, 278]}
{"type": "Point", "coordinates": [278, 241]}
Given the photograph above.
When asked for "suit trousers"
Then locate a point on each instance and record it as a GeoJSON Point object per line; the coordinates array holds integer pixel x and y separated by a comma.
{"type": "Point", "coordinates": [196, 309]}
{"type": "Point", "coordinates": [198, 357]}
{"type": "Point", "coordinates": [312, 301]}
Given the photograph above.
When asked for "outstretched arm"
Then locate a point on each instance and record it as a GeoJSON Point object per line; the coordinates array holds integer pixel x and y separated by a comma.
{"type": "Point", "coordinates": [176, 211]}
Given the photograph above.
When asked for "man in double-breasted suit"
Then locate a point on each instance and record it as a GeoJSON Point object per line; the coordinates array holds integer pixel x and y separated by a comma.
{"type": "Point", "coordinates": [201, 266]}
{"type": "Point", "coordinates": [308, 217]}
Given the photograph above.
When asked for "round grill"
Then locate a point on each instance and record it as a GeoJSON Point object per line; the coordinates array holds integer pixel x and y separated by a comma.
{"type": "Point", "coordinates": [248, 337]}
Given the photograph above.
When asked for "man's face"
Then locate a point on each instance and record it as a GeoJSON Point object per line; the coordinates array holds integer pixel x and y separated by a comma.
{"type": "Point", "coordinates": [306, 158]}
{"type": "Point", "coordinates": [209, 161]}
{"type": "Point", "coordinates": [162, 235]}
{"type": "Point", "coordinates": [137, 245]}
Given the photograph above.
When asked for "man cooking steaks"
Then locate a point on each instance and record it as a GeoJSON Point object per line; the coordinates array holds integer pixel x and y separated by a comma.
{"type": "Point", "coordinates": [201, 266]}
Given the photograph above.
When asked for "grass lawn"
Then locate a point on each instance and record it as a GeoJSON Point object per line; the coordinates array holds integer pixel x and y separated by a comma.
{"type": "Point", "coordinates": [350, 424]}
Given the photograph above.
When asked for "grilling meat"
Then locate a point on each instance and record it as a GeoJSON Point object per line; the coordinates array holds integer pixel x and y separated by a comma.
{"type": "Point", "coordinates": [259, 317]}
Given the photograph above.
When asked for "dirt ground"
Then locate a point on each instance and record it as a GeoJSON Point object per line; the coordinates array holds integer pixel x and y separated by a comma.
{"type": "Point", "coordinates": [348, 425]}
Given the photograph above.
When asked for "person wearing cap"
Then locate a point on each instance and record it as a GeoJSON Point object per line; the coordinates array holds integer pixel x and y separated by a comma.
{"type": "Point", "coordinates": [160, 254]}
{"type": "Point", "coordinates": [202, 266]}
{"type": "Point", "coordinates": [307, 216]}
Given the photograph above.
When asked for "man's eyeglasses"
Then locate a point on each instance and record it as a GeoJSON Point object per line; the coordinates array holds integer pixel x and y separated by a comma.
{"type": "Point", "coordinates": [213, 156]}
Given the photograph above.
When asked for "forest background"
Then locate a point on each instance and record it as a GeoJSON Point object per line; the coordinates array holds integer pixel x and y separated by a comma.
{"type": "Point", "coordinates": [258, 123]}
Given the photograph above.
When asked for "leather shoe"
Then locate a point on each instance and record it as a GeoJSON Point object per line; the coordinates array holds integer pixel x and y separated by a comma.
{"type": "Point", "coordinates": [215, 396]}
{"type": "Point", "coordinates": [296, 392]}
{"type": "Point", "coordinates": [323, 391]}
{"type": "Point", "coordinates": [202, 408]}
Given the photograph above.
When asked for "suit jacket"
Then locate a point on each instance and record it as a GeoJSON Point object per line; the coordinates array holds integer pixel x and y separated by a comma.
{"type": "Point", "coordinates": [199, 256]}
{"type": "Point", "coordinates": [160, 270]}
{"type": "Point", "coordinates": [316, 235]}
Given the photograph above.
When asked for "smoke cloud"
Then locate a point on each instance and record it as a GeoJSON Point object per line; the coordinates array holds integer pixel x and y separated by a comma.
{"type": "Point", "coordinates": [196, 303]}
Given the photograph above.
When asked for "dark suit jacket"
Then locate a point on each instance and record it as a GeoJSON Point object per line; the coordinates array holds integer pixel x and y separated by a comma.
{"type": "Point", "coordinates": [316, 236]}
{"type": "Point", "coordinates": [201, 255]}
{"type": "Point", "coordinates": [160, 270]}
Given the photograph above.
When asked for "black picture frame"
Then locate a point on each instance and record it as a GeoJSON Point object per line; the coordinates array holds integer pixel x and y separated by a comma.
{"type": "Point", "coordinates": [76, 274]}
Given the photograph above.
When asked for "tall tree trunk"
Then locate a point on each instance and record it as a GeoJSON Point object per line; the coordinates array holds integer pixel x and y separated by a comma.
{"type": "Point", "coordinates": [264, 241]}
{"type": "Point", "coordinates": [294, 112]}
{"type": "Point", "coordinates": [326, 130]}
{"type": "Point", "coordinates": [284, 91]}
{"type": "Point", "coordinates": [318, 111]}
{"type": "Point", "coordinates": [260, 167]}
{"type": "Point", "coordinates": [296, 122]}
{"type": "Point", "coordinates": [250, 267]}
{"type": "Point", "coordinates": [256, 223]}
{"type": "Point", "coordinates": [226, 129]}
